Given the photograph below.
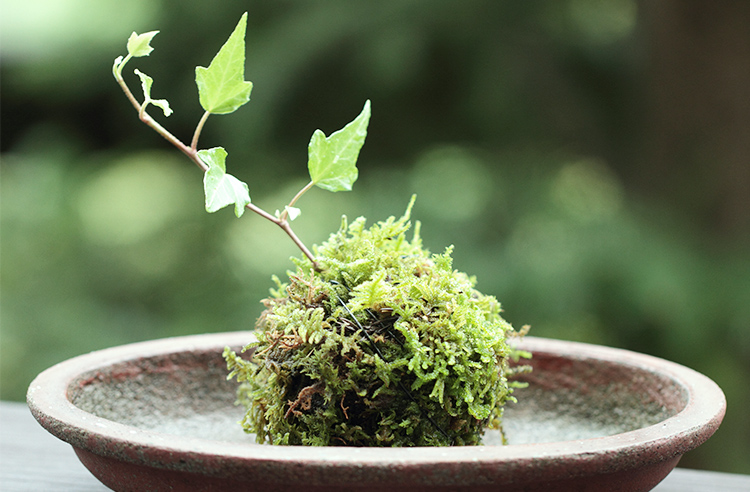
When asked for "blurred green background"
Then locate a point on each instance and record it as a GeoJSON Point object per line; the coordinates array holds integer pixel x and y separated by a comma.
{"type": "Point", "coordinates": [589, 160]}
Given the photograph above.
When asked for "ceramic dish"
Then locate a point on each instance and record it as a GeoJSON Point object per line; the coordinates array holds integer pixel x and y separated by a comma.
{"type": "Point", "coordinates": [160, 415]}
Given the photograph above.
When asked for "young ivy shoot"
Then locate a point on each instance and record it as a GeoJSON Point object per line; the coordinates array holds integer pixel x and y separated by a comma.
{"type": "Point", "coordinates": [222, 89]}
{"type": "Point", "coordinates": [373, 340]}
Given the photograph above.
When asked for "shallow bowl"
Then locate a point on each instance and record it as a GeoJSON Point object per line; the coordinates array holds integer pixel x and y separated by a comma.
{"type": "Point", "coordinates": [160, 415]}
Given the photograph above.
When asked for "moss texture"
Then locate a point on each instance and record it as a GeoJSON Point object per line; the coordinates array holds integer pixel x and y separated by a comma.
{"type": "Point", "coordinates": [386, 345]}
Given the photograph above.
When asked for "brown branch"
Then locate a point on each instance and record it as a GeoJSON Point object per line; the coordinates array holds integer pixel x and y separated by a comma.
{"type": "Point", "coordinates": [192, 153]}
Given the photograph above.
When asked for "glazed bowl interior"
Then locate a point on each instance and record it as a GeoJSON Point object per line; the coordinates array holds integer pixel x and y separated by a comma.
{"type": "Point", "coordinates": [187, 394]}
{"type": "Point", "coordinates": [184, 394]}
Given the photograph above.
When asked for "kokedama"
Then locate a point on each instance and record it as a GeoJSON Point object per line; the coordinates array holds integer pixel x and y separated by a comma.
{"type": "Point", "coordinates": [385, 345]}
{"type": "Point", "coordinates": [372, 341]}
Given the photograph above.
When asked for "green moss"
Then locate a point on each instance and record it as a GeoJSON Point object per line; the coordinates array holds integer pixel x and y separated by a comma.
{"type": "Point", "coordinates": [385, 345]}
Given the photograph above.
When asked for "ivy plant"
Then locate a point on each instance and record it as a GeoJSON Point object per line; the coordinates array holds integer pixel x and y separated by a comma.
{"type": "Point", "coordinates": [372, 340]}
{"type": "Point", "coordinates": [222, 89]}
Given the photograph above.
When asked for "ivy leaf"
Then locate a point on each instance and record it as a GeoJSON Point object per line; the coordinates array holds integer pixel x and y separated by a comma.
{"type": "Point", "coordinates": [139, 44]}
{"type": "Point", "coordinates": [146, 83]}
{"type": "Point", "coordinates": [332, 161]}
{"type": "Point", "coordinates": [222, 87]}
{"type": "Point", "coordinates": [222, 189]}
{"type": "Point", "coordinates": [291, 212]}
{"type": "Point", "coordinates": [117, 66]}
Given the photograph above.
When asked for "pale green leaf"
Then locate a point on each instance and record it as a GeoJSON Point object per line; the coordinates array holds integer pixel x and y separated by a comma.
{"type": "Point", "coordinates": [139, 44]}
{"type": "Point", "coordinates": [291, 212]}
{"type": "Point", "coordinates": [117, 67]}
{"type": "Point", "coordinates": [222, 87]}
{"type": "Point", "coordinates": [163, 104]}
{"type": "Point", "coordinates": [332, 161]}
{"type": "Point", "coordinates": [222, 189]}
{"type": "Point", "coordinates": [146, 83]}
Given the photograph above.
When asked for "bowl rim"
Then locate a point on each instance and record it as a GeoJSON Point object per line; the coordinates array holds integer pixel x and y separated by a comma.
{"type": "Point", "coordinates": [47, 398]}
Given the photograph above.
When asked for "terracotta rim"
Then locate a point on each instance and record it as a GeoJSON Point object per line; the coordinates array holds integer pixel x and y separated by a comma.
{"type": "Point", "coordinates": [705, 408]}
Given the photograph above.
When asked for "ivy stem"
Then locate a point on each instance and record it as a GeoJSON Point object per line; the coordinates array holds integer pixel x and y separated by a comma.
{"type": "Point", "coordinates": [192, 153]}
{"type": "Point", "coordinates": [288, 229]}
{"type": "Point", "coordinates": [301, 192]}
{"type": "Point", "coordinates": [198, 129]}
{"type": "Point", "coordinates": [153, 124]}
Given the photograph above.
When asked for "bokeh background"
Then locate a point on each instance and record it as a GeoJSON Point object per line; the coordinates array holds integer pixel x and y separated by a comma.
{"type": "Point", "coordinates": [589, 160]}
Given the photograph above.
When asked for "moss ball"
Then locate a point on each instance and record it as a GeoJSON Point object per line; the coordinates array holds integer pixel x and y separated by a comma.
{"type": "Point", "coordinates": [383, 345]}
